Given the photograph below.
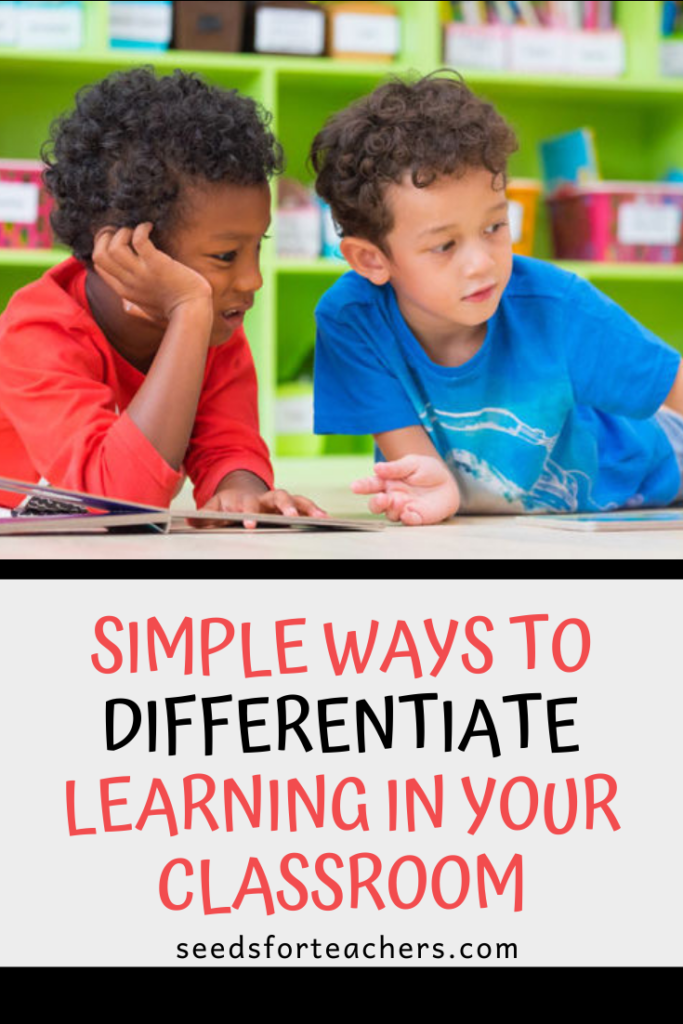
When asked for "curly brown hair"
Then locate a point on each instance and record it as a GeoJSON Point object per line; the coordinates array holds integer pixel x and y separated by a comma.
{"type": "Point", "coordinates": [428, 127]}
{"type": "Point", "coordinates": [136, 140]}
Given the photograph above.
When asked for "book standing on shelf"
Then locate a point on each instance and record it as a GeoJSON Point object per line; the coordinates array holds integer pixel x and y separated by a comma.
{"type": "Point", "coordinates": [565, 14]}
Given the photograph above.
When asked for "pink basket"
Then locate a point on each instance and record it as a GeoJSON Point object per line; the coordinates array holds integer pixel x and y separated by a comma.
{"type": "Point", "coordinates": [25, 206]}
{"type": "Point", "coordinates": [618, 222]}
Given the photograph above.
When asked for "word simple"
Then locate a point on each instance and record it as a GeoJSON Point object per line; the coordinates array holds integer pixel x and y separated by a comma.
{"type": "Point", "coordinates": [218, 634]}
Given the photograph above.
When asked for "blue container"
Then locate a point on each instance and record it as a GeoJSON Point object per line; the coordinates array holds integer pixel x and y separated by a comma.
{"type": "Point", "coordinates": [146, 25]}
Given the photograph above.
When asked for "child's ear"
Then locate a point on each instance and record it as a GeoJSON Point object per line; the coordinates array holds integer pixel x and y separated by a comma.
{"type": "Point", "coordinates": [366, 259]}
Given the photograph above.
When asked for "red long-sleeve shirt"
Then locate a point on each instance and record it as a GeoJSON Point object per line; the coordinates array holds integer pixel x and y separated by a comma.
{"type": "Point", "coordinates": [64, 392]}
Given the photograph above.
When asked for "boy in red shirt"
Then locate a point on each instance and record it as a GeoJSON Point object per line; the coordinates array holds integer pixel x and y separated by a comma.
{"type": "Point", "coordinates": [127, 367]}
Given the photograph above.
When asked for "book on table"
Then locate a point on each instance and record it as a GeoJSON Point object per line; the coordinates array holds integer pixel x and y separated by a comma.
{"type": "Point", "coordinates": [611, 522]}
{"type": "Point", "coordinates": [49, 510]}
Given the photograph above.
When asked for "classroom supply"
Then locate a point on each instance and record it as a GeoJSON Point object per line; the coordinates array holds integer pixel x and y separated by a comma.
{"type": "Point", "coordinates": [216, 25]}
{"type": "Point", "coordinates": [672, 45]}
{"type": "Point", "coordinates": [146, 25]}
{"type": "Point", "coordinates": [25, 206]}
{"type": "Point", "coordinates": [570, 159]}
{"type": "Point", "coordinates": [9, 22]}
{"type": "Point", "coordinates": [49, 26]}
{"type": "Point", "coordinates": [618, 222]}
{"type": "Point", "coordinates": [299, 221]}
{"type": "Point", "coordinates": [363, 30]}
{"type": "Point", "coordinates": [477, 47]}
{"type": "Point", "coordinates": [536, 38]}
{"type": "Point", "coordinates": [287, 27]}
{"type": "Point", "coordinates": [616, 522]}
{"type": "Point", "coordinates": [524, 196]}
{"type": "Point", "coordinates": [90, 514]}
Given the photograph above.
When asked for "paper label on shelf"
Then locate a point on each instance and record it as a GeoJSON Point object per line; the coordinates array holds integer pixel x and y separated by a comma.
{"type": "Point", "coordinates": [49, 26]}
{"type": "Point", "coordinates": [516, 215]}
{"type": "Point", "coordinates": [367, 33]}
{"type": "Point", "coordinates": [478, 49]}
{"type": "Point", "coordinates": [650, 224]}
{"type": "Point", "coordinates": [539, 51]}
{"type": "Point", "coordinates": [602, 54]}
{"type": "Point", "coordinates": [672, 58]}
{"type": "Point", "coordinates": [8, 23]}
{"type": "Point", "coordinates": [299, 233]}
{"type": "Point", "coordinates": [145, 22]}
{"type": "Point", "coordinates": [19, 202]}
{"type": "Point", "coordinates": [290, 31]}
{"type": "Point", "coordinates": [294, 415]}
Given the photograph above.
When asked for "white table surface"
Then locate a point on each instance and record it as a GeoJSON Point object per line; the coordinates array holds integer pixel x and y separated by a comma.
{"type": "Point", "coordinates": [486, 539]}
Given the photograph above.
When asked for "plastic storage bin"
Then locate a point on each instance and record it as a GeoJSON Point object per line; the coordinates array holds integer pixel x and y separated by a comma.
{"type": "Point", "coordinates": [216, 25]}
{"type": "Point", "coordinates": [524, 195]}
{"type": "Point", "coordinates": [287, 27]}
{"type": "Point", "coordinates": [618, 222]}
{"type": "Point", "coordinates": [25, 206]}
{"type": "Point", "coordinates": [592, 54]}
{"type": "Point", "coordinates": [143, 25]}
{"type": "Point", "coordinates": [363, 30]}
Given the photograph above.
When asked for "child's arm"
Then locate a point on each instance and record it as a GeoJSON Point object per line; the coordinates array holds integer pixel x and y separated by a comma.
{"type": "Point", "coordinates": [169, 292]}
{"type": "Point", "coordinates": [415, 486]}
{"type": "Point", "coordinates": [675, 399]}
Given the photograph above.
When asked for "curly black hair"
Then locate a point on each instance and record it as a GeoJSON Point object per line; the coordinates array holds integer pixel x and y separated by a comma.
{"type": "Point", "coordinates": [134, 140]}
{"type": "Point", "coordinates": [427, 127]}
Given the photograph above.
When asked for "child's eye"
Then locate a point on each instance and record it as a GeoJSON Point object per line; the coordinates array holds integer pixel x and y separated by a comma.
{"type": "Point", "coordinates": [225, 257]}
{"type": "Point", "coordinates": [495, 228]}
{"type": "Point", "coordinates": [446, 247]}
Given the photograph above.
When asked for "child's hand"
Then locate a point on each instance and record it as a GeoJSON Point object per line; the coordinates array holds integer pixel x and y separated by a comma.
{"type": "Point", "coordinates": [146, 279]}
{"type": "Point", "coordinates": [269, 503]}
{"type": "Point", "coordinates": [416, 491]}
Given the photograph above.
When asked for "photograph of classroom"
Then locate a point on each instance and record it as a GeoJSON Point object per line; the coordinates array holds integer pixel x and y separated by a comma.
{"type": "Point", "coordinates": [593, 92]}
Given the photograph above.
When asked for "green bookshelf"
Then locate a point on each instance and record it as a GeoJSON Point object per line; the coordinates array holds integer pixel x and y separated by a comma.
{"type": "Point", "coordinates": [638, 120]}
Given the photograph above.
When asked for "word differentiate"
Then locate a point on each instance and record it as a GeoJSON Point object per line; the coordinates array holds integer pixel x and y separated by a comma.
{"type": "Point", "coordinates": [292, 712]}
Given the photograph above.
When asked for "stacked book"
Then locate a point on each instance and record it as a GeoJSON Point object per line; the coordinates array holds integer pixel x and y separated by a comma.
{"type": "Point", "coordinates": [573, 38]}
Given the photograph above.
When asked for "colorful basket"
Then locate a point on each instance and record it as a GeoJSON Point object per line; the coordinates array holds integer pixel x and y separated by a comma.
{"type": "Point", "coordinates": [618, 222]}
{"type": "Point", "coordinates": [25, 206]}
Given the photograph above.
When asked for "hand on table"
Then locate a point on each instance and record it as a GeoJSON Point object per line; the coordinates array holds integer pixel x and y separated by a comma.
{"type": "Point", "coordinates": [417, 491]}
{"type": "Point", "coordinates": [267, 503]}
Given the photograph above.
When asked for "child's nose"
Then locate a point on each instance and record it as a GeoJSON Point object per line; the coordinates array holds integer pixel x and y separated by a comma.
{"type": "Point", "coordinates": [249, 278]}
{"type": "Point", "coordinates": [477, 260]}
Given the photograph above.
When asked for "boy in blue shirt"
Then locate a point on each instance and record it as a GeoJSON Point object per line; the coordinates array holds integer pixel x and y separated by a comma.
{"type": "Point", "coordinates": [491, 383]}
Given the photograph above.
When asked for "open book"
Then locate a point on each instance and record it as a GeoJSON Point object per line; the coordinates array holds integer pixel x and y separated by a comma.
{"type": "Point", "coordinates": [48, 510]}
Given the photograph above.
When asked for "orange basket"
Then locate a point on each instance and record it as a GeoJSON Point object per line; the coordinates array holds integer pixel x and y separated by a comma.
{"type": "Point", "coordinates": [524, 195]}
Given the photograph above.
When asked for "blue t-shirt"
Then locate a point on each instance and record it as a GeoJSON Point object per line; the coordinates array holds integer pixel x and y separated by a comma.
{"type": "Point", "coordinates": [555, 413]}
